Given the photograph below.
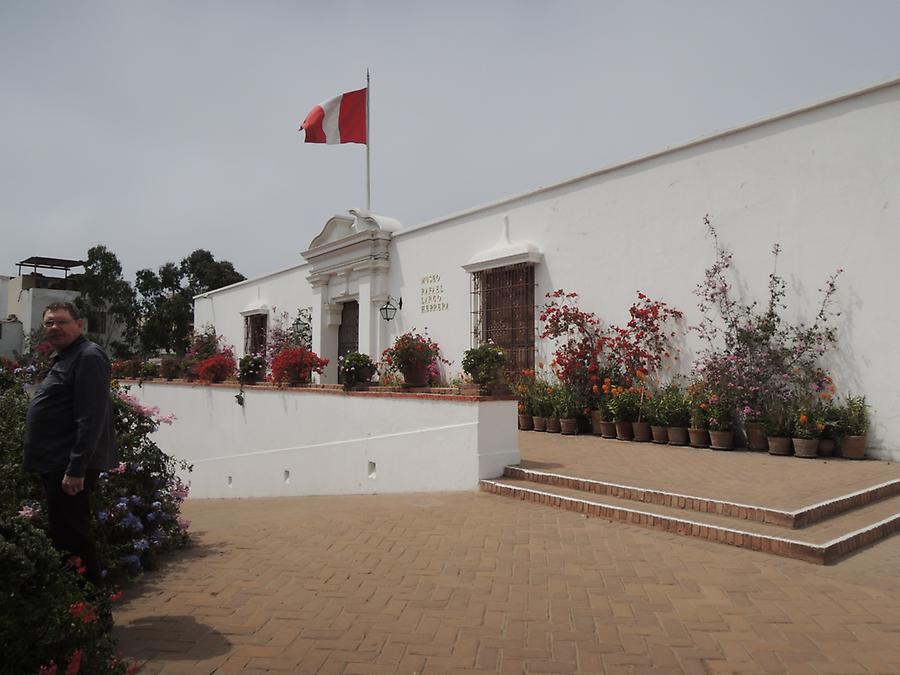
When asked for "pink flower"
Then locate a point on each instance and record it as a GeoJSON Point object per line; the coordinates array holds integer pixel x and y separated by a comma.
{"type": "Point", "coordinates": [29, 512]}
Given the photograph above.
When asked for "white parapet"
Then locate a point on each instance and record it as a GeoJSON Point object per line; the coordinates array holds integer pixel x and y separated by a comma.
{"type": "Point", "coordinates": [288, 442]}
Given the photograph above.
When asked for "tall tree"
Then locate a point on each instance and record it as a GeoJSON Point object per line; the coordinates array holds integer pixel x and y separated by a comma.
{"type": "Point", "coordinates": [167, 298]}
{"type": "Point", "coordinates": [202, 272]}
{"type": "Point", "coordinates": [107, 301]}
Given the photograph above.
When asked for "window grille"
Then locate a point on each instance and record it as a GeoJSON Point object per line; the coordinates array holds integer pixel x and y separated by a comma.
{"type": "Point", "coordinates": [502, 312]}
{"type": "Point", "coordinates": [255, 328]}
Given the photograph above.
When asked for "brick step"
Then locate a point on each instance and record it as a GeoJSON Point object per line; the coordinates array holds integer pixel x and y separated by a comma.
{"type": "Point", "coordinates": [820, 543]}
{"type": "Point", "coordinates": [797, 518]}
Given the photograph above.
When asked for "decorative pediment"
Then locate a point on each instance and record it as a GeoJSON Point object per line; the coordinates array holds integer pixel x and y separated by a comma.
{"type": "Point", "coordinates": [503, 253]}
{"type": "Point", "coordinates": [341, 227]}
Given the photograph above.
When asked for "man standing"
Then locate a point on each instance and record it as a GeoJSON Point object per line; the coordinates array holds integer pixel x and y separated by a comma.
{"type": "Point", "coordinates": [70, 433]}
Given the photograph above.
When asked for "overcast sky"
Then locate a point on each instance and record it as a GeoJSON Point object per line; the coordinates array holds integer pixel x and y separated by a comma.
{"type": "Point", "coordinates": [156, 128]}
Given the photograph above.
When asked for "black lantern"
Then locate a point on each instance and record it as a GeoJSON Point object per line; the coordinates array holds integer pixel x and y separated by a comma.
{"type": "Point", "coordinates": [388, 310]}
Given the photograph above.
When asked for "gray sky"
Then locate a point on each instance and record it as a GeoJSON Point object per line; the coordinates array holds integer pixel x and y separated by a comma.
{"type": "Point", "coordinates": [156, 128]}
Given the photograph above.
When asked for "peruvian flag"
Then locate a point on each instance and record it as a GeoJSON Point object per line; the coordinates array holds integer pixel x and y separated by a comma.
{"type": "Point", "coordinates": [339, 120]}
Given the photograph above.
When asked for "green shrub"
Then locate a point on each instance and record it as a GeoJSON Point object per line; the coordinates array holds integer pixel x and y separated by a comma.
{"type": "Point", "coordinates": [49, 617]}
{"type": "Point", "coordinates": [485, 364]}
{"type": "Point", "coordinates": [855, 416]}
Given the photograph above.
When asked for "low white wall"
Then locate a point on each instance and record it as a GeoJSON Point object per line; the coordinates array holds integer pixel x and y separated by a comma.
{"type": "Point", "coordinates": [288, 442]}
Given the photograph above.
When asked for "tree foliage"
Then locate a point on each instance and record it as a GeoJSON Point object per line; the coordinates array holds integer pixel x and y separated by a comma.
{"type": "Point", "coordinates": [107, 301]}
{"type": "Point", "coordinates": [166, 301]}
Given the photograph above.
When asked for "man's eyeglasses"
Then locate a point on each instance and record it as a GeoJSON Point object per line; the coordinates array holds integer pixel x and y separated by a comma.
{"type": "Point", "coordinates": [61, 322]}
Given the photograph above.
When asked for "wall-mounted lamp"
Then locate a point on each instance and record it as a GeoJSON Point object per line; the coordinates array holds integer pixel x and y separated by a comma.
{"type": "Point", "coordinates": [388, 311]}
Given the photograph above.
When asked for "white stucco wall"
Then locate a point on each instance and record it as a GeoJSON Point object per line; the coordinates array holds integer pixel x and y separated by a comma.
{"type": "Point", "coordinates": [282, 291]}
{"type": "Point", "coordinates": [824, 182]}
{"type": "Point", "coordinates": [306, 442]}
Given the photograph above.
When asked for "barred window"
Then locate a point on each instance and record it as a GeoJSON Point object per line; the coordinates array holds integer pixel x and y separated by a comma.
{"type": "Point", "coordinates": [503, 312]}
{"type": "Point", "coordinates": [255, 328]}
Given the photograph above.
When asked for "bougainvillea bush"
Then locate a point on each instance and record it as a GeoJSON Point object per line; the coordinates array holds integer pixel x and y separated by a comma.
{"type": "Point", "coordinates": [754, 357]}
{"type": "Point", "coordinates": [294, 365]}
{"type": "Point", "coordinates": [51, 619]}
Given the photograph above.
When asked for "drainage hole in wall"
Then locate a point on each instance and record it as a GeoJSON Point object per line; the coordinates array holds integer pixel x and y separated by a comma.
{"type": "Point", "coordinates": [287, 476]}
{"type": "Point", "coordinates": [371, 469]}
{"type": "Point", "coordinates": [229, 481]}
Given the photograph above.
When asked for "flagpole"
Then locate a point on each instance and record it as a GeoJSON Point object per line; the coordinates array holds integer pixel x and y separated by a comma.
{"type": "Point", "coordinates": [368, 146]}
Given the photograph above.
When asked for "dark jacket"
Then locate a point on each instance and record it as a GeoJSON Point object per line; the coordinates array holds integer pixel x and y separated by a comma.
{"type": "Point", "coordinates": [70, 419]}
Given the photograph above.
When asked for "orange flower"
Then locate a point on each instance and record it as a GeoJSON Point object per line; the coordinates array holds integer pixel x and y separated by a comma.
{"type": "Point", "coordinates": [804, 419]}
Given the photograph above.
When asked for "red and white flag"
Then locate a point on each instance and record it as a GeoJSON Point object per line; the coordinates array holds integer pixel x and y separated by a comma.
{"type": "Point", "coordinates": [339, 120]}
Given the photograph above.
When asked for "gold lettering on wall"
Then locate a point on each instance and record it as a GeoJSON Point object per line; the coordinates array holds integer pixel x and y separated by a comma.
{"type": "Point", "coordinates": [431, 298]}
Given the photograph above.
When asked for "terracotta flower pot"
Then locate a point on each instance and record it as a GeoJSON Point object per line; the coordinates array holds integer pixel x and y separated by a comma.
{"type": "Point", "coordinates": [699, 438]}
{"type": "Point", "coordinates": [660, 434]}
{"type": "Point", "coordinates": [553, 425]}
{"type": "Point", "coordinates": [608, 429]}
{"type": "Point", "coordinates": [641, 431]}
{"type": "Point", "coordinates": [526, 422]}
{"type": "Point", "coordinates": [568, 426]}
{"type": "Point", "coordinates": [826, 447]}
{"type": "Point", "coordinates": [806, 447]}
{"type": "Point", "coordinates": [780, 445]}
{"type": "Point", "coordinates": [624, 431]}
{"type": "Point", "coordinates": [678, 436]}
{"type": "Point", "coordinates": [415, 374]}
{"type": "Point", "coordinates": [756, 436]}
{"type": "Point", "coordinates": [721, 440]}
{"type": "Point", "coordinates": [540, 423]}
{"type": "Point", "coordinates": [853, 447]}
{"type": "Point", "coordinates": [596, 421]}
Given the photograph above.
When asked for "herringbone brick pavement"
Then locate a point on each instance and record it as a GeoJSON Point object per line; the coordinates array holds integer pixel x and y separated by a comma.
{"type": "Point", "coordinates": [471, 583]}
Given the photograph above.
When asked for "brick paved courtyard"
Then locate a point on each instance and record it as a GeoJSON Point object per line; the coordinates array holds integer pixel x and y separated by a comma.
{"type": "Point", "coordinates": [475, 583]}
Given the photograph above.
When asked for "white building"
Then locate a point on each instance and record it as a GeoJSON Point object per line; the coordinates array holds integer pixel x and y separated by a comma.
{"type": "Point", "coordinates": [25, 296]}
{"type": "Point", "coordinates": [823, 181]}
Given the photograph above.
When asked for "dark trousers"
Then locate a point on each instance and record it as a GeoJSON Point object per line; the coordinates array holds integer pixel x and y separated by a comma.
{"type": "Point", "coordinates": [70, 521]}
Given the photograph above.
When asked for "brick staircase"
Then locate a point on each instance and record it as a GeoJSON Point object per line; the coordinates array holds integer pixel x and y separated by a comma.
{"type": "Point", "coordinates": [821, 532]}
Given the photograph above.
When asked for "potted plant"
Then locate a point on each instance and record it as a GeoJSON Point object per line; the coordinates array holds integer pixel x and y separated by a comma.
{"type": "Point", "coordinates": [295, 365]}
{"type": "Point", "coordinates": [525, 391]}
{"type": "Point", "coordinates": [698, 432]}
{"type": "Point", "coordinates": [623, 405]}
{"type": "Point", "coordinates": [411, 355]}
{"type": "Point", "coordinates": [170, 367]}
{"type": "Point", "coordinates": [149, 370]}
{"type": "Point", "coordinates": [356, 370]}
{"type": "Point", "coordinates": [656, 415]}
{"type": "Point", "coordinates": [720, 420]}
{"type": "Point", "coordinates": [216, 368]}
{"type": "Point", "coordinates": [806, 433]}
{"type": "Point", "coordinates": [553, 425]}
{"type": "Point", "coordinates": [485, 364]}
{"type": "Point", "coordinates": [754, 429]}
{"type": "Point", "coordinates": [541, 402]}
{"type": "Point", "coordinates": [601, 416]}
{"type": "Point", "coordinates": [673, 410]}
{"type": "Point", "coordinates": [251, 368]}
{"type": "Point", "coordinates": [778, 424]}
{"type": "Point", "coordinates": [640, 426]}
{"type": "Point", "coordinates": [855, 425]}
{"type": "Point", "coordinates": [830, 415]}
{"type": "Point", "coordinates": [565, 408]}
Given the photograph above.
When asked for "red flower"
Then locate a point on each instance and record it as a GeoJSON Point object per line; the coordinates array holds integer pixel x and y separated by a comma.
{"type": "Point", "coordinates": [74, 663]}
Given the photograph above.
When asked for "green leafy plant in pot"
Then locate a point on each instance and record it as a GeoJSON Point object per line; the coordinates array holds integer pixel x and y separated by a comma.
{"type": "Point", "coordinates": [356, 368]}
{"type": "Point", "coordinates": [485, 364]}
